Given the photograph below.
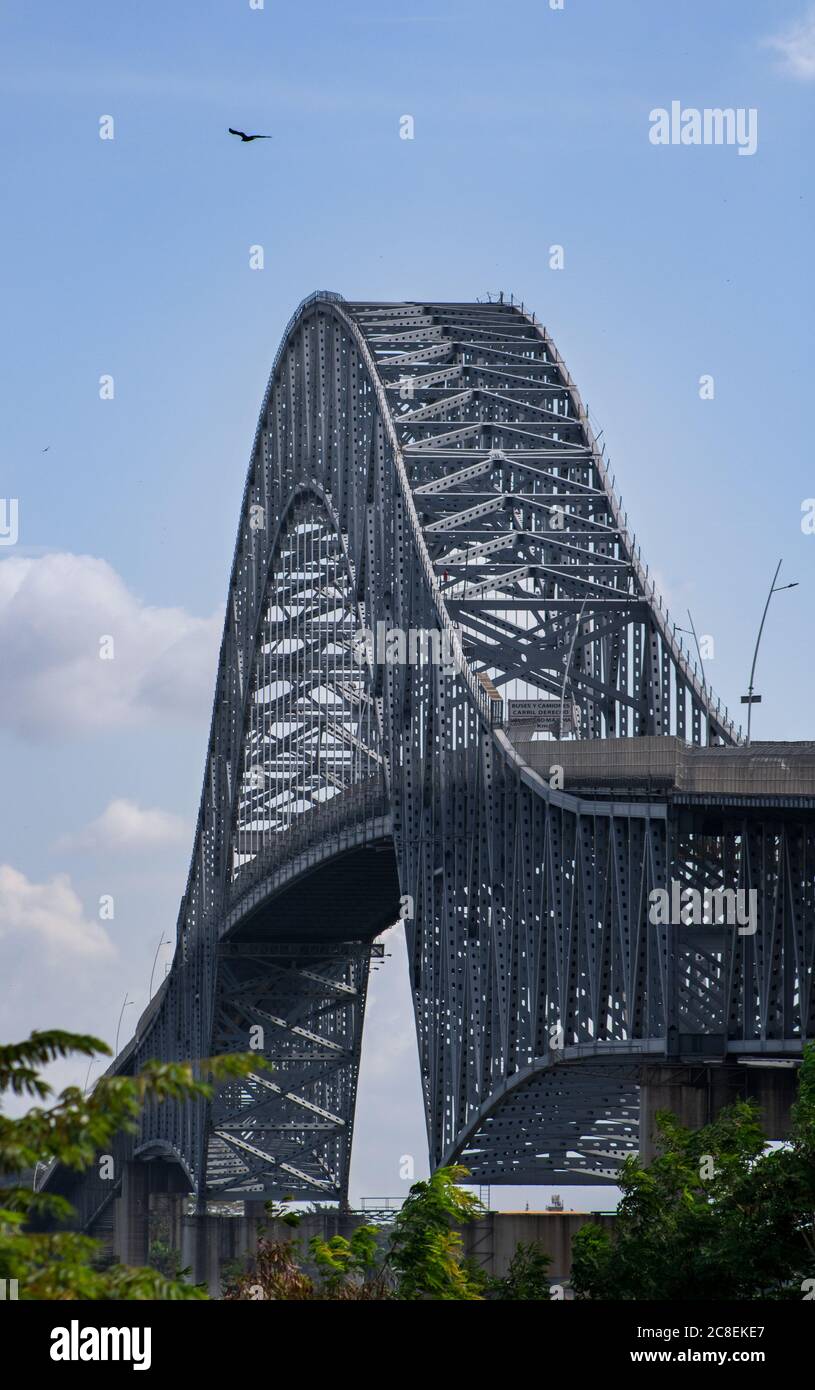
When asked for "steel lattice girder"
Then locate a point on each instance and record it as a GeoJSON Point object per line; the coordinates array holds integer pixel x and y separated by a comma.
{"type": "Point", "coordinates": [431, 468]}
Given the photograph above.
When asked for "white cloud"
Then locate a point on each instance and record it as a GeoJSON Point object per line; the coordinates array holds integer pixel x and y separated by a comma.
{"type": "Point", "coordinates": [54, 611]}
{"type": "Point", "coordinates": [796, 46]}
{"type": "Point", "coordinates": [125, 826]}
{"type": "Point", "coordinates": [47, 915]}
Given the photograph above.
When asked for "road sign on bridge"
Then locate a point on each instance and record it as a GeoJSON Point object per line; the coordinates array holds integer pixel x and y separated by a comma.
{"type": "Point", "coordinates": [545, 716]}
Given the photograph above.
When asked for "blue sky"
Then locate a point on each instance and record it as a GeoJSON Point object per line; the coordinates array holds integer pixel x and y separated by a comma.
{"type": "Point", "coordinates": [130, 257]}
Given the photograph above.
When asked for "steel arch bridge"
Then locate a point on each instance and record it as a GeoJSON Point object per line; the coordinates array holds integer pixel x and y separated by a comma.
{"type": "Point", "coordinates": [428, 530]}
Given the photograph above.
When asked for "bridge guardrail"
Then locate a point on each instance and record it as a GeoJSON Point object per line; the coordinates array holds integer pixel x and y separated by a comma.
{"type": "Point", "coordinates": [354, 806]}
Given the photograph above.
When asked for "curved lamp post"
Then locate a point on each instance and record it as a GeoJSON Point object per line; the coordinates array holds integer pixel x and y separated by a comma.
{"type": "Point", "coordinates": [750, 698]}
{"type": "Point", "coordinates": [568, 662]}
{"type": "Point", "coordinates": [119, 1024]}
{"type": "Point", "coordinates": [691, 632]}
{"type": "Point", "coordinates": [161, 943]}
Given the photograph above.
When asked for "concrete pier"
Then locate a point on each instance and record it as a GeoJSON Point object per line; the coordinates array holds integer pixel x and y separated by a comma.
{"type": "Point", "coordinates": [493, 1240]}
{"type": "Point", "coordinates": [697, 1093]}
{"type": "Point", "coordinates": [131, 1218]}
{"type": "Point", "coordinates": [213, 1246]}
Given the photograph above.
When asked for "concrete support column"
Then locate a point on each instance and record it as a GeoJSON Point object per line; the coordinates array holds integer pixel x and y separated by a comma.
{"type": "Point", "coordinates": [776, 1091]}
{"type": "Point", "coordinates": [131, 1230]}
{"type": "Point", "coordinates": [188, 1236]}
{"type": "Point", "coordinates": [166, 1216]}
{"type": "Point", "coordinates": [493, 1240]}
{"type": "Point", "coordinates": [696, 1095]}
{"type": "Point", "coordinates": [255, 1212]}
{"type": "Point", "coordinates": [199, 1248]}
{"type": "Point", "coordinates": [176, 1207]}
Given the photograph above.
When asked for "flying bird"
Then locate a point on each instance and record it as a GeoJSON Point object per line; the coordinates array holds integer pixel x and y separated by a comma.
{"type": "Point", "coordinates": [246, 138]}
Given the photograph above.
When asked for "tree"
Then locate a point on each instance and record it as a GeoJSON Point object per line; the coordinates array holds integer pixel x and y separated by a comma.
{"type": "Point", "coordinates": [426, 1248]}
{"type": "Point", "coordinates": [419, 1258]}
{"type": "Point", "coordinates": [715, 1216]}
{"type": "Point", "coordinates": [353, 1267]}
{"type": "Point", "coordinates": [343, 1269]}
{"type": "Point", "coordinates": [162, 1255]}
{"type": "Point", "coordinates": [527, 1276]}
{"type": "Point", "coordinates": [73, 1129]}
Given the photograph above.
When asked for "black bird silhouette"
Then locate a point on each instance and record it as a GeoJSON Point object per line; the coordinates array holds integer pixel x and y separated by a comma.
{"type": "Point", "coordinates": [246, 138]}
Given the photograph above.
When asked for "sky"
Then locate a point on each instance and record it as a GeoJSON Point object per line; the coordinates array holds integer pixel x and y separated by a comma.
{"type": "Point", "coordinates": [129, 258]}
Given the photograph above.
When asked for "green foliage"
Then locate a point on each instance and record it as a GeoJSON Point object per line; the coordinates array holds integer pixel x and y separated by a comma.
{"type": "Point", "coordinates": [231, 1271]}
{"type": "Point", "coordinates": [73, 1129]}
{"type": "Point", "coordinates": [162, 1254]}
{"type": "Point", "coordinates": [349, 1268]}
{"type": "Point", "coordinates": [342, 1268]}
{"type": "Point", "coordinates": [527, 1276]}
{"type": "Point", "coordinates": [426, 1249]}
{"type": "Point", "coordinates": [744, 1231]}
{"type": "Point", "coordinates": [276, 1275]}
{"type": "Point", "coordinates": [278, 1212]}
{"type": "Point", "coordinates": [420, 1257]}
{"type": "Point", "coordinates": [715, 1216]}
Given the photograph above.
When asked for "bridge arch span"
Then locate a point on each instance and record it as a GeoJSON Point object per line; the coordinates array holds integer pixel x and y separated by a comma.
{"type": "Point", "coordinates": [429, 536]}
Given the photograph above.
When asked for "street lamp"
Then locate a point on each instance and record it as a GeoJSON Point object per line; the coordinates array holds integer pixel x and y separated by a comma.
{"type": "Point", "coordinates": [119, 1024]}
{"type": "Point", "coordinates": [568, 661]}
{"type": "Point", "coordinates": [750, 698]}
{"type": "Point", "coordinates": [691, 632]}
{"type": "Point", "coordinates": [161, 943]}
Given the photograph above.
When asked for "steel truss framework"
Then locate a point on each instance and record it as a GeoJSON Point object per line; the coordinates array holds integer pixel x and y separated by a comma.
{"type": "Point", "coordinates": [430, 469]}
